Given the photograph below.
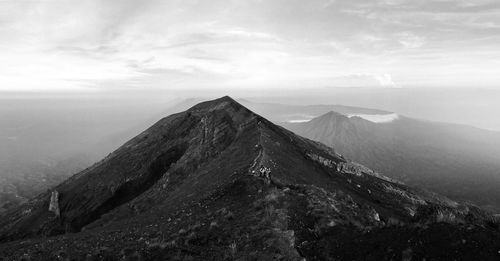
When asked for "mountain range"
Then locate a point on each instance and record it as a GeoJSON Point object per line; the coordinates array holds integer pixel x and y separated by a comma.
{"type": "Point", "coordinates": [220, 182]}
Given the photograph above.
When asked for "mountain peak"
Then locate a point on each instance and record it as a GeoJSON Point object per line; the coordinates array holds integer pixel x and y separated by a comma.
{"type": "Point", "coordinates": [330, 117]}
{"type": "Point", "coordinates": [216, 104]}
{"type": "Point", "coordinates": [332, 114]}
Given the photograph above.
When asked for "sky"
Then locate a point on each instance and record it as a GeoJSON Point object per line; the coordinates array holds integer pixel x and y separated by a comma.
{"type": "Point", "coordinates": [96, 45]}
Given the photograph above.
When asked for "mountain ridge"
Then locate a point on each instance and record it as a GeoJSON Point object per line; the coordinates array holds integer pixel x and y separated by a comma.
{"type": "Point", "coordinates": [219, 182]}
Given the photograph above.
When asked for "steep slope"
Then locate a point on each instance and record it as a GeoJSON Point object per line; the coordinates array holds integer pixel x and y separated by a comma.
{"type": "Point", "coordinates": [218, 182]}
{"type": "Point", "coordinates": [453, 160]}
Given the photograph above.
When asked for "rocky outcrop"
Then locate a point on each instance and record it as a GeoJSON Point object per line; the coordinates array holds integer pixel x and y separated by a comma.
{"type": "Point", "coordinates": [414, 199]}
{"type": "Point", "coordinates": [323, 161]}
{"type": "Point", "coordinates": [54, 203]}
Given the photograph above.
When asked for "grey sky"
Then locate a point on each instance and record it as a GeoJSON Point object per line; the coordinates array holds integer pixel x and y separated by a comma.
{"type": "Point", "coordinates": [101, 44]}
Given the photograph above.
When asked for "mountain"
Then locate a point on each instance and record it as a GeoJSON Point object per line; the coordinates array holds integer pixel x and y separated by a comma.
{"type": "Point", "coordinates": [219, 182]}
{"type": "Point", "coordinates": [457, 161]}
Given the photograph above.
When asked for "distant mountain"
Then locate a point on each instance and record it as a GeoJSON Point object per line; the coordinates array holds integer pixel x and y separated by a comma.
{"type": "Point", "coordinates": [219, 182]}
{"type": "Point", "coordinates": [458, 161]}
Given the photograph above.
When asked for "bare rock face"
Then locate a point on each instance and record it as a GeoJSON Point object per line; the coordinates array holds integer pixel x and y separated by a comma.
{"type": "Point", "coordinates": [54, 203]}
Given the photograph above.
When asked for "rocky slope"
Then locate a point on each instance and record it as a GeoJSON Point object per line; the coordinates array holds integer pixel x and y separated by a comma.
{"type": "Point", "coordinates": [218, 182]}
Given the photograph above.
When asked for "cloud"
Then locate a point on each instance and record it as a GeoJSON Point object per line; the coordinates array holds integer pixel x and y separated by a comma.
{"type": "Point", "coordinates": [385, 80]}
{"type": "Point", "coordinates": [364, 80]}
{"type": "Point", "coordinates": [410, 40]}
{"type": "Point", "coordinates": [248, 44]}
{"type": "Point", "coordinates": [376, 118]}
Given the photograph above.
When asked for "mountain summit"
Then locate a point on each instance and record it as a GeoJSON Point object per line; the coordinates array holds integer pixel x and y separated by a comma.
{"type": "Point", "coordinates": [219, 182]}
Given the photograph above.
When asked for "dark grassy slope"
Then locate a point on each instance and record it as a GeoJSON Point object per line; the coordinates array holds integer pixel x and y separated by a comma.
{"type": "Point", "coordinates": [457, 161]}
{"type": "Point", "coordinates": [191, 187]}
